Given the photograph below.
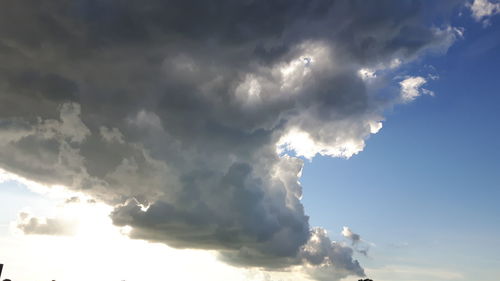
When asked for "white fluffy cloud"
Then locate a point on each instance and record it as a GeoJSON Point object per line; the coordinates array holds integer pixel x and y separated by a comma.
{"type": "Point", "coordinates": [483, 9]}
{"type": "Point", "coordinates": [411, 88]}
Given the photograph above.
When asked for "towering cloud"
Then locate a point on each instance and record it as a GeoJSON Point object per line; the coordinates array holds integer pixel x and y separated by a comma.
{"type": "Point", "coordinates": [188, 116]}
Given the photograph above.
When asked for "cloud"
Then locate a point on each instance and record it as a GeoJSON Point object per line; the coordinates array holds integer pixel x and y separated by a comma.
{"type": "Point", "coordinates": [188, 117]}
{"type": "Point", "coordinates": [482, 10]}
{"type": "Point", "coordinates": [411, 88]}
{"type": "Point", "coordinates": [111, 135]}
{"type": "Point", "coordinates": [72, 199]}
{"type": "Point", "coordinates": [31, 225]}
{"type": "Point", "coordinates": [357, 243]}
{"type": "Point", "coordinates": [354, 237]}
{"type": "Point", "coordinates": [331, 260]}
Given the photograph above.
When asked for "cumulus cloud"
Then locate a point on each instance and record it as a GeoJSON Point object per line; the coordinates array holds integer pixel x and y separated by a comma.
{"type": "Point", "coordinates": [31, 225]}
{"type": "Point", "coordinates": [358, 245]}
{"type": "Point", "coordinates": [111, 135]}
{"type": "Point", "coordinates": [331, 260]}
{"type": "Point", "coordinates": [482, 10]}
{"type": "Point", "coordinates": [411, 88]}
{"type": "Point", "coordinates": [188, 117]}
{"type": "Point", "coordinates": [354, 237]}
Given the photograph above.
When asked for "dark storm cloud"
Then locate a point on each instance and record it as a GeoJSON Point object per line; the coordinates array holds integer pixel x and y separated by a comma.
{"type": "Point", "coordinates": [171, 111]}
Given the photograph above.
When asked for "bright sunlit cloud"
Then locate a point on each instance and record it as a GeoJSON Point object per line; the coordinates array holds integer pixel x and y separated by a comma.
{"type": "Point", "coordinates": [154, 140]}
{"type": "Point", "coordinates": [97, 250]}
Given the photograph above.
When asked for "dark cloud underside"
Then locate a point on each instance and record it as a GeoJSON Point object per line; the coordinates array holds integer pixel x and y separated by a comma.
{"type": "Point", "coordinates": [171, 111]}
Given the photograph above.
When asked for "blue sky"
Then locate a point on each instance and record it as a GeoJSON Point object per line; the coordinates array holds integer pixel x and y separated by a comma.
{"type": "Point", "coordinates": [426, 187]}
{"type": "Point", "coordinates": [197, 173]}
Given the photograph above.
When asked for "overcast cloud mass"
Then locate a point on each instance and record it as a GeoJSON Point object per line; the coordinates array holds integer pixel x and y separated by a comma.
{"type": "Point", "coordinates": [187, 116]}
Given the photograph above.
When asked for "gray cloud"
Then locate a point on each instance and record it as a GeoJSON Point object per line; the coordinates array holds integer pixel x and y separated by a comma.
{"type": "Point", "coordinates": [354, 237]}
{"type": "Point", "coordinates": [73, 199]}
{"type": "Point", "coordinates": [171, 111]}
{"type": "Point", "coordinates": [333, 260]}
{"type": "Point", "coordinates": [357, 243]}
{"type": "Point", "coordinates": [31, 225]}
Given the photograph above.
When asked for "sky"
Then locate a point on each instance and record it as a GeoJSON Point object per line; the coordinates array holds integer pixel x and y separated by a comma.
{"type": "Point", "coordinates": [304, 140]}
